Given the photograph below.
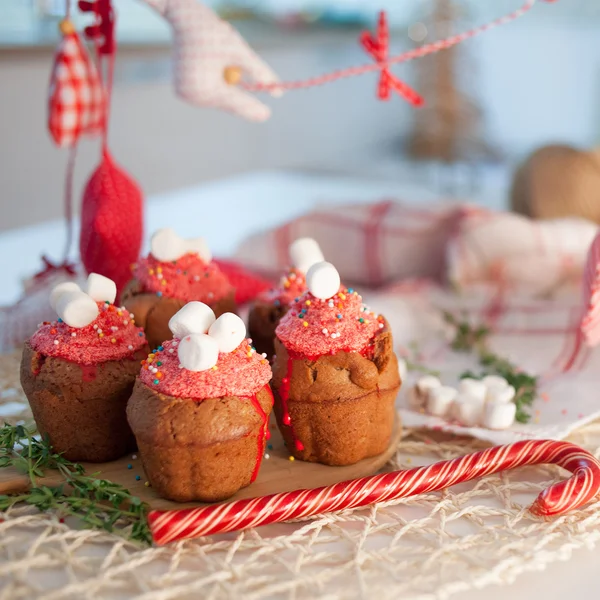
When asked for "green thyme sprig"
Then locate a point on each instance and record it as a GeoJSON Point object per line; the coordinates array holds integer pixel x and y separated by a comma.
{"type": "Point", "coordinates": [98, 503]}
{"type": "Point", "coordinates": [474, 338]}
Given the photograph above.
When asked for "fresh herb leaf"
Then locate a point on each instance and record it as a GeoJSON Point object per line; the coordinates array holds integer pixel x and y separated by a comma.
{"type": "Point", "coordinates": [469, 338]}
{"type": "Point", "coordinates": [97, 502]}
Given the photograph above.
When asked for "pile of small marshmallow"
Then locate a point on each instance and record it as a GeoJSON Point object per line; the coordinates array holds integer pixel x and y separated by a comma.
{"type": "Point", "coordinates": [202, 336]}
{"type": "Point", "coordinates": [78, 308]}
{"type": "Point", "coordinates": [488, 402]}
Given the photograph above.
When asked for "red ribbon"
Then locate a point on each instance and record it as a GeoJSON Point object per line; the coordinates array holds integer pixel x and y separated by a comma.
{"type": "Point", "coordinates": [379, 50]}
{"type": "Point", "coordinates": [104, 29]}
{"type": "Point", "coordinates": [50, 267]}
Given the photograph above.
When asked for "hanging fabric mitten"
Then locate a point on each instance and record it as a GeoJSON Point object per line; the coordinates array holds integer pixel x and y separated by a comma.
{"type": "Point", "coordinates": [206, 48]}
{"type": "Point", "coordinates": [76, 102]}
{"type": "Point", "coordinates": [111, 222]}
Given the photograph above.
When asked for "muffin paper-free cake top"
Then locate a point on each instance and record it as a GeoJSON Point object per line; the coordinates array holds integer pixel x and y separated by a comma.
{"type": "Point", "coordinates": [187, 278]}
{"type": "Point", "coordinates": [315, 326]}
{"type": "Point", "coordinates": [112, 335]}
{"type": "Point", "coordinates": [242, 372]}
{"type": "Point", "coordinates": [291, 286]}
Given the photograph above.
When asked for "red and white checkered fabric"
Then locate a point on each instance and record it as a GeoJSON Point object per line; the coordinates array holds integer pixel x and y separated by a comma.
{"type": "Point", "coordinates": [375, 244]}
{"type": "Point", "coordinates": [590, 323]}
{"type": "Point", "coordinates": [76, 104]}
{"type": "Point", "coordinates": [204, 46]}
{"type": "Point", "coordinates": [372, 244]}
{"type": "Point", "coordinates": [525, 255]}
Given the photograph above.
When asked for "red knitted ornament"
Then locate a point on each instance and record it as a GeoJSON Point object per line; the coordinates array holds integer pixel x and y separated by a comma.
{"type": "Point", "coordinates": [111, 222]}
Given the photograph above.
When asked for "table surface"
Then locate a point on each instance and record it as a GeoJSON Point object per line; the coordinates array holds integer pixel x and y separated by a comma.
{"type": "Point", "coordinates": [225, 212]}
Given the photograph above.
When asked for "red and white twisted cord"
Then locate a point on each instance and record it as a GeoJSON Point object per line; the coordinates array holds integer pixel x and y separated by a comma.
{"type": "Point", "coordinates": [444, 44]}
{"type": "Point", "coordinates": [580, 488]}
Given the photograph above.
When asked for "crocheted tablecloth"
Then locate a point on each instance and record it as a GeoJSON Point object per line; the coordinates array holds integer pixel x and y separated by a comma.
{"type": "Point", "coordinates": [431, 546]}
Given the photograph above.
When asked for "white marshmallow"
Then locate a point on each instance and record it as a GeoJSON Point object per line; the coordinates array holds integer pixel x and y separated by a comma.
{"type": "Point", "coordinates": [402, 369]}
{"type": "Point", "coordinates": [495, 381]}
{"type": "Point", "coordinates": [500, 396]}
{"type": "Point", "coordinates": [100, 288]}
{"type": "Point", "coordinates": [418, 395]}
{"type": "Point", "coordinates": [499, 416]}
{"type": "Point", "coordinates": [468, 409]}
{"type": "Point", "coordinates": [60, 289]}
{"type": "Point", "coordinates": [198, 352]}
{"type": "Point", "coordinates": [304, 253]}
{"type": "Point", "coordinates": [200, 247]}
{"type": "Point", "coordinates": [76, 308]}
{"type": "Point", "coordinates": [228, 331]}
{"type": "Point", "coordinates": [194, 317]}
{"type": "Point", "coordinates": [440, 400]}
{"type": "Point", "coordinates": [473, 387]}
{"type": "Point", "coordinates": [323, 280]}
{"type": "Point", "coordinates": [166, 245]}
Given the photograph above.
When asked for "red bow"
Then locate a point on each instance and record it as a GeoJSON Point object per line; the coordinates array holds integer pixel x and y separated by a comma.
{"type": "Point", "coordinates": [379, 50]}
{"type": "Point", "coordinates": [105, 24]}
{"type": "Point", "coordinates": [51, 268]}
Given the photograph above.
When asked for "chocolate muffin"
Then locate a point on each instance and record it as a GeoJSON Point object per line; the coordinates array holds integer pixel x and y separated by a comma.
{"type": "Point", "coordinates": [78, 380]}
{"type": "Point", "coordinates": [269, 308]}
{"type": "Point", "coordinates": [335, 379]}
{"type": "Point", "coordinates": [159, 288]}
{"type": "Point", "coordinates": [201, 429]}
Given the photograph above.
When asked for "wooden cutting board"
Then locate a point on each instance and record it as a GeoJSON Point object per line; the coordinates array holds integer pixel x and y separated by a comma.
{"type": "Point", "coordinates": [277, 474]}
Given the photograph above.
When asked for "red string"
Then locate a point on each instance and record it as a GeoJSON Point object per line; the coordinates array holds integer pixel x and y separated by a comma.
{"type": "Point", "coordinates": [102, 34]}
{"type": "Point", "coordinates": [379, 50]}
{"type": "Point", "coordinates": [69, 200]}
{"type": "Point", "coordinates": [400, 58]}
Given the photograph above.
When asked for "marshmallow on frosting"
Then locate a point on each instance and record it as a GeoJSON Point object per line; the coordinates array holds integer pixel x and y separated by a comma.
{"type": "Point", "coordinates": [77, 308]}
{"type": "Point", "coordinates": [304, 253]}
{"type": "Point", "coordinates": [323, 280]}
{"type": "Point", "coordinates": [203, 337]}
{"type": "Point", "coordinates": [167, 246]}
{"type": "Point", "coordinates": [100, 288]}
{"type": "Point", "coordinates": [198, 352]}
{"type": "Point", "coordinates": [194, 317]}
{"type": "Point", "coordinates": [228, 331]}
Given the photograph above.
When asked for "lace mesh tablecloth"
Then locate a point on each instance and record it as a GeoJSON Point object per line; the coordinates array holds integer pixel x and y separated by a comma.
{"type": "Point", "coordinates": [432, 546]}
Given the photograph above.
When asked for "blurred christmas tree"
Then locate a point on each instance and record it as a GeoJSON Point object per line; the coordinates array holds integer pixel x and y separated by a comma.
{"type": "Point", "coordinates": [448, 129]}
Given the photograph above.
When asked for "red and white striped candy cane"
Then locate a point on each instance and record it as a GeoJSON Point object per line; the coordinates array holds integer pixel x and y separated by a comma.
{"type": "Point", "coordinates": [580, 488]}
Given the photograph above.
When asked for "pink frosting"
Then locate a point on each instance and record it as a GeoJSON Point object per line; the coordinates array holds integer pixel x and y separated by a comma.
{"type": "Point", "coordinates": [291, 286]}
{"type": "Point", "coordinates": [314, 327]}
{"type": "Point", "coordinates": [187, 278]}
{"type": "Point", "coordinates": [242, 372]}
{"type": "Point", "coordinates": [112, 336]}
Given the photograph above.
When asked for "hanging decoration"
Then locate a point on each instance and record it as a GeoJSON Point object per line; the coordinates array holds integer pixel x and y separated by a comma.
{"type": "Point", "coordinates": [76, 101]}
{"type": "Point", "coordinates": [379, 50]}
{"type": "Point", "coordinates": [204, 47]}
{"type": "Point", "coordinates": [112, 208]}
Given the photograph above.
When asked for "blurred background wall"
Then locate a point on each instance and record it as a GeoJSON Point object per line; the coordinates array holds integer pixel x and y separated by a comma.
{"type": "Point", "coordinates": [533, 82]}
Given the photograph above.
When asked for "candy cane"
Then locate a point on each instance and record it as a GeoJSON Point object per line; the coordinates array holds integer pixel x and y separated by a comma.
{"type": "Point", "coordinates": [580, 488]}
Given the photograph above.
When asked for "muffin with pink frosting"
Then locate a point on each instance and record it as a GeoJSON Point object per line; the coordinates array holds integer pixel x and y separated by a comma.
{"type": "Point", "coordinates": [335, 375]}
{"type": "Point", "coordinates": [273, 304]}
{"type": "Point", "coordinates": [200, 408]}
{"type": "Point", "coordinates": [78, 372]}
{"type": "Point", "coordinates": [175, 272]}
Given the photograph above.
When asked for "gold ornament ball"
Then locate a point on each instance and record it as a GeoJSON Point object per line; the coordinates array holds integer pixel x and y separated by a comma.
{"type": "Point", "coordinates": [66, 27]}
